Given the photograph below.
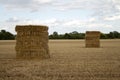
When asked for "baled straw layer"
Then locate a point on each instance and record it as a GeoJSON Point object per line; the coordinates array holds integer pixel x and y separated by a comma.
{"type": "Point", "coordinates": [32, 41]}
{"type": "Point", "coordinates": [92, 39]}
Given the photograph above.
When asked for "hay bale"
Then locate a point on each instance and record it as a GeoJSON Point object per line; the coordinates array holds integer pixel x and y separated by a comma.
{"type": "Point", "coordinates": [92, 39]}
{"type": "Point", "coordinates": [32, 41]}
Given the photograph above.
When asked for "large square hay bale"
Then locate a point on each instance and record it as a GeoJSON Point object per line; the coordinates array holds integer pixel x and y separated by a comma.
{"type": "Point", "coordinates": [92, 39]}
{"type": "Point", "coordinates": [32, 41]}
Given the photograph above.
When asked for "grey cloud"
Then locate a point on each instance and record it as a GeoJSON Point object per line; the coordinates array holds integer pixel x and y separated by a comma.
{"type": "Point", "coordinates": [99, 7]}
{"type": "Point", "coordinates": [13, 19]}
{"type": "Point", "coordinates": [32, 5]}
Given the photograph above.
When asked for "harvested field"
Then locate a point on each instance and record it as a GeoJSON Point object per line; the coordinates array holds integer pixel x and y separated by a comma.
{"type": "Point", "coordinates": [70, 60]}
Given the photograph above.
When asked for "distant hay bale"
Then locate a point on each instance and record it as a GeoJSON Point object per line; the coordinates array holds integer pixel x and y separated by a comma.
{"type": "Point", "coordinates": [92, 39]}
{"type": "Point", "coordinates": [32, 41]}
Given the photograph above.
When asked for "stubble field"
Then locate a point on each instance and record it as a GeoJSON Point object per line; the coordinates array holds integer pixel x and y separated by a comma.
{"type": "Point", "coordinates": [70, 60]}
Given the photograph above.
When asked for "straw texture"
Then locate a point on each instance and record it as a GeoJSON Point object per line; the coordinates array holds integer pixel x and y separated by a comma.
{"type": "Point", "coordinates": [92, 39]}
{"type": "Point", "coordinates": [32, 41]}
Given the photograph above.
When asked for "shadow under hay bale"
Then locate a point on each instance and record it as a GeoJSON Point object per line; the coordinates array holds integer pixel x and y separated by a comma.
{"type": "Point", "coordinates": [32, 42]}
{"type": "Point", "coordinates": [92, 39]}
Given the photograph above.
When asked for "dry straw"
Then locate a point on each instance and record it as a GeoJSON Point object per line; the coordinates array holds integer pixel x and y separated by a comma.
{"type": "Point", "coordinates": [32, 41]}
{"type": "Point", "coordinates": [92, 39]}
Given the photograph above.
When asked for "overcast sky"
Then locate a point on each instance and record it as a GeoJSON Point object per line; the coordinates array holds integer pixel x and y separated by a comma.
{"type": "Point", "coordinates": [61, 15]}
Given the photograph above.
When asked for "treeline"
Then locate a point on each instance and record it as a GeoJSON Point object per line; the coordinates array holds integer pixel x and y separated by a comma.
{"type": "Point", "coordinates": [5, 35]}
{"type": "Point", "coordinates": [72, 35]}
{"type": "Point", "coordinates": [77, 35]}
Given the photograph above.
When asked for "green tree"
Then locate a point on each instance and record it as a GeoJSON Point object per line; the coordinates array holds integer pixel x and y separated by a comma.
{"type": "Point", "coordinates": [4, 35]}
{"type": "Point", "coordinates": [111, 35]}
{"type": "Point", "coordinates": [55, 35]}
{"type": "Point", "coordinates": [116, 34]}
{"type": "Point", "coordinates": [67, 36]}
{"type": "Point", "coordinates": [103, 36]}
